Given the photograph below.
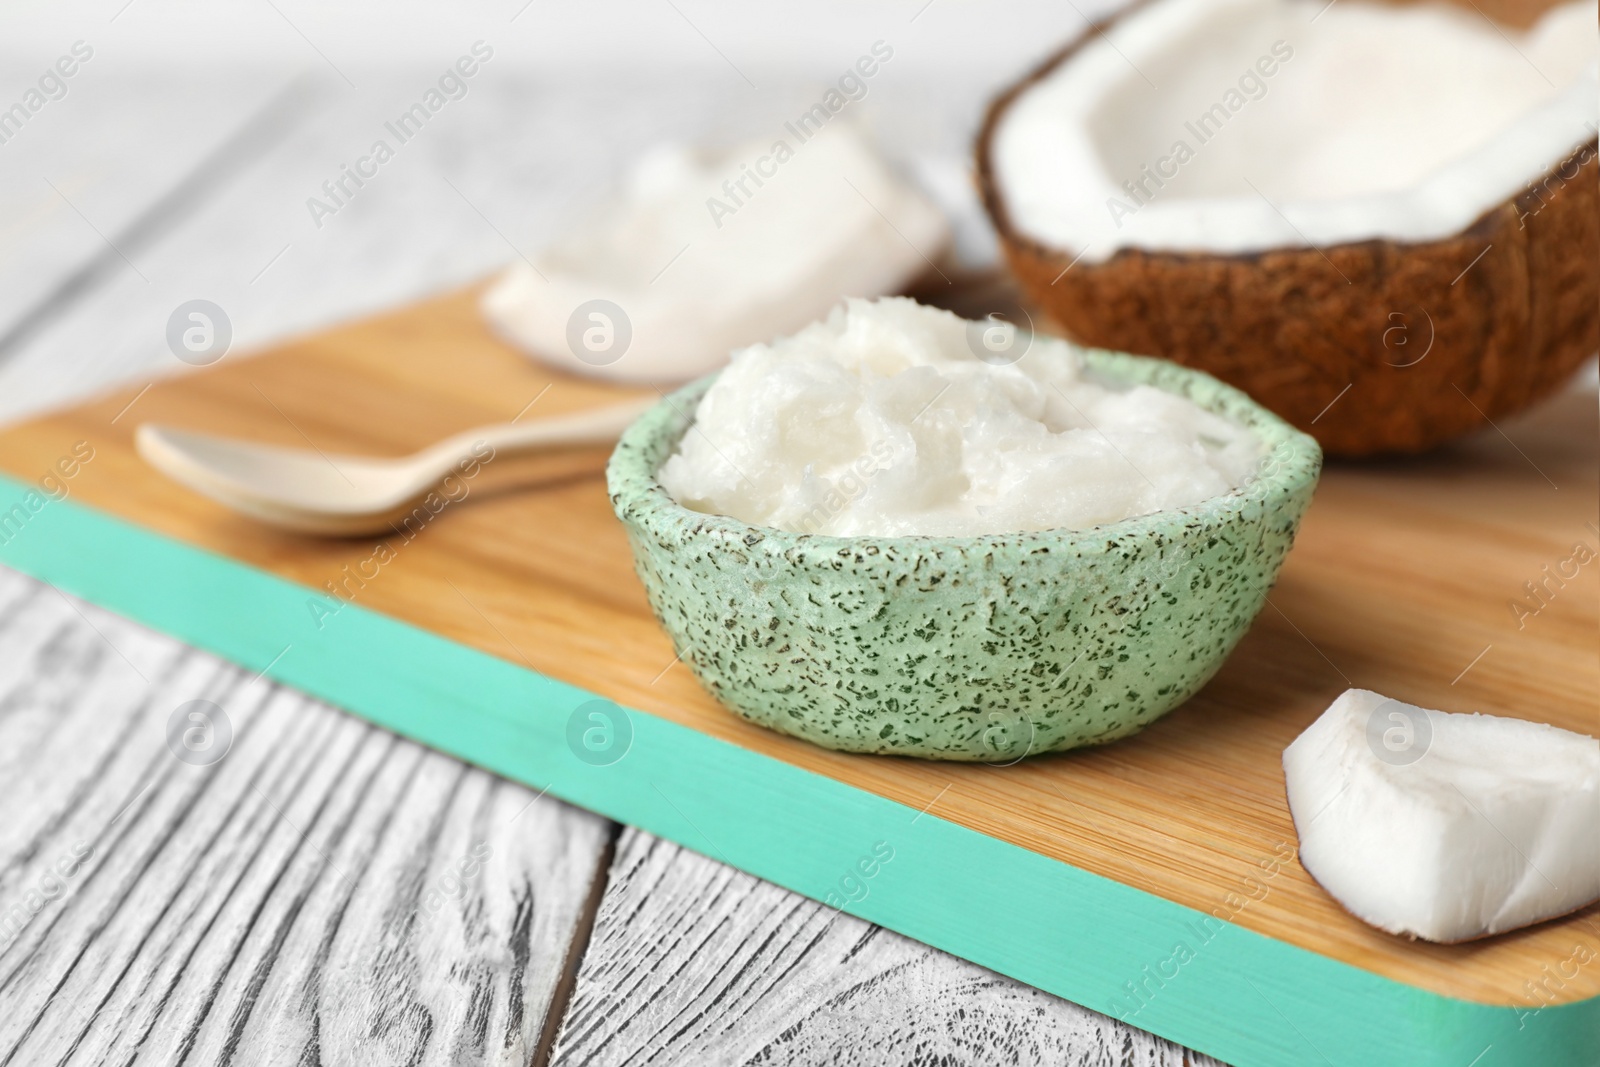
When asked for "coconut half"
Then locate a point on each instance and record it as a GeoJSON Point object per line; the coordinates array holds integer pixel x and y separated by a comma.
{"type": "Point", "coordinates": [1394, 202]}
{"type": "Point", "coordinates": [1443, 826]}
{"type": "Point", "coordinates": [698, 255]}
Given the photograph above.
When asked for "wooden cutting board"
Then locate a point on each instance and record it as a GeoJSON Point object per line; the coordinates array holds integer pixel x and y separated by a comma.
{"type": "Point", "coordinates": [1403, 581]}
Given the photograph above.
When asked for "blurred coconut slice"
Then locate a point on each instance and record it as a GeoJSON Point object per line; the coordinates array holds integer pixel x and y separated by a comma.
{"type": "Point", "coordinates": [1305, 199]}
{"type": "Point", "coordinates": [1445, 827]}
{"type": "Point", "coordinates": [698, 256]}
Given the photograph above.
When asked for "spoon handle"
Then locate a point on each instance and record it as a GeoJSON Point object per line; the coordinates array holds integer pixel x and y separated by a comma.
{"type": "Point", "coordinates": [593, 426]}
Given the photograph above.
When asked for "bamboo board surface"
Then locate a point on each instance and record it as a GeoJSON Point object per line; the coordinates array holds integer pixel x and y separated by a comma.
{"type": "Point", "coordinates": [1401, 581]}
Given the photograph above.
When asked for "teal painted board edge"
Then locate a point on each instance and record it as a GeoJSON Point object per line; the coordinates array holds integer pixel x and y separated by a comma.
{"type": "Point", "coordinates": [1245, 998]}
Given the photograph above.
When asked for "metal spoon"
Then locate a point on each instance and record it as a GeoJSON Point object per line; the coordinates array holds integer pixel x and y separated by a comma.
{"type": "Point", "coordinates": [314, 492]}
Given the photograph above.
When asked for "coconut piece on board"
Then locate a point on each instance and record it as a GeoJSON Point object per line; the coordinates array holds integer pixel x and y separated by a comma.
{"type": "Point", "coordinates": [1447, 827]}
{"type": "Point", "coordinates": [699, 254]}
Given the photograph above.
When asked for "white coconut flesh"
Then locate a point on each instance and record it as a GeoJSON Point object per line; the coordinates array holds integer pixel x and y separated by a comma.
{"type": "Point", "coordinates": [705, 254]}
{"type": "Point", "coordinates": [1445, 826]}
{"type": "Point", "coordinates": [1232, 126]}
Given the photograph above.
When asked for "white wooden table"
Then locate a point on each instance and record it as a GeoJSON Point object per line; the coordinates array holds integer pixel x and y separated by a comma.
{"type": "Point", "coordinates": [308, 905]}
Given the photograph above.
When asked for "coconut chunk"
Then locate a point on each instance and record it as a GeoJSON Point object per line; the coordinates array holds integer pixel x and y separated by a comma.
{"type": "Point", "coordinates": [698, 255]}
{"type": "Point", "coordinates": [1236, 126]}
{"type": "Point", "coordinates": [1419, 183]}
{"type": "Point", "coordinates": [1443, 826]}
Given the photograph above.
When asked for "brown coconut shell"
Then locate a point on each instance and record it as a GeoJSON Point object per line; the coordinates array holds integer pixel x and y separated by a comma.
{"type": "Point", "coordinates": [1372, 347]}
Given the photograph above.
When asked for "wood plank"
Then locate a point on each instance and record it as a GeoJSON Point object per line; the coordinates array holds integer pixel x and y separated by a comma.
{"type": "Point", "coordinates": [93, 183]}
{"type": "Point", "coordinates": [691, 961]}
{"type": "Point", "coordinates": [301, 900]}
{"type": "Point", "coordinates": [1184, 810]}
{"type": "Point", "coordinates": [492, 951]}
{"type": "Point", "coordinates": [224, 233]}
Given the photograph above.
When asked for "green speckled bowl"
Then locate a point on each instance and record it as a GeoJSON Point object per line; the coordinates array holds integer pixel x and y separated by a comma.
{"type": "Point", "coordinates": [966, 648]}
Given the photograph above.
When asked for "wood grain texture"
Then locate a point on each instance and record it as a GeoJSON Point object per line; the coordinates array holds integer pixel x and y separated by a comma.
{"type": "Point", "coordinates": [105, 326]}
{"type": "Point", "coordinates": [90, 185]}
{"type": "Point", "coordinates": [145, 181]}
{"type": "Point", "coordinates": [1401, 583]}
{"type": "Point", "coordinates": [324, 892]}
{"type": "Point", "coordinates": [693, 962]}
{"type": "Point", "coordinates": [1402, 576]}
